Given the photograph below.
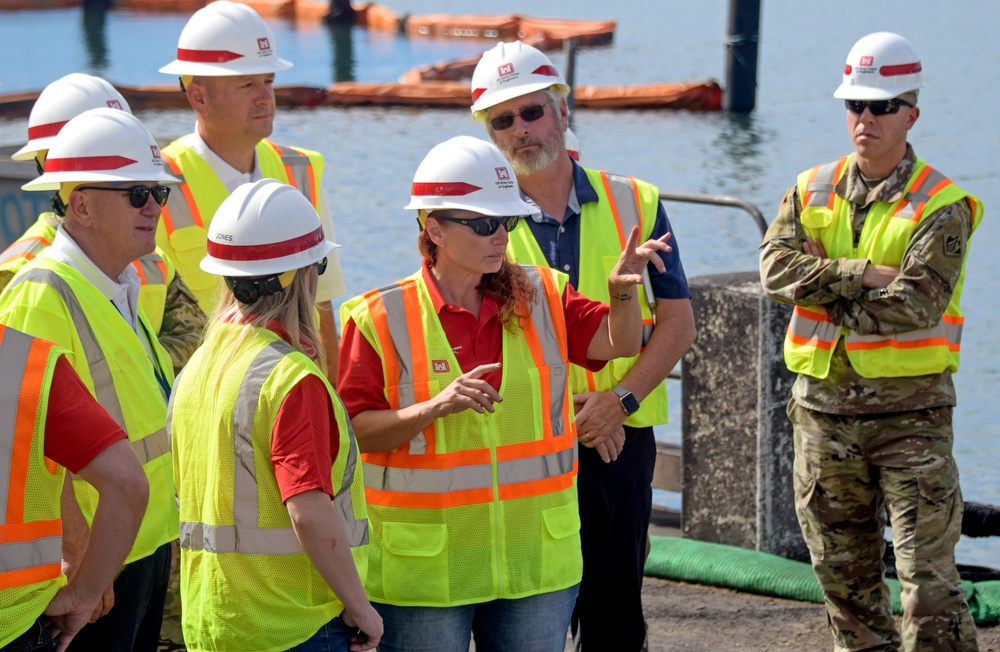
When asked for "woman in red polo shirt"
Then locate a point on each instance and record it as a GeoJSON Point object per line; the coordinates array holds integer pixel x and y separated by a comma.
{"type": "Point", "coordinates": [457, 383]}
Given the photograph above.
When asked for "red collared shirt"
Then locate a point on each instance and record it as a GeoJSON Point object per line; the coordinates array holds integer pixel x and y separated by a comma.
{"type": "Point", "coordinates": [474, 341]}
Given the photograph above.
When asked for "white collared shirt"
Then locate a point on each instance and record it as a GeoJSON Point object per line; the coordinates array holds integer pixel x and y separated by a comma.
{"type": "Point", "coordinates": [230, 177]}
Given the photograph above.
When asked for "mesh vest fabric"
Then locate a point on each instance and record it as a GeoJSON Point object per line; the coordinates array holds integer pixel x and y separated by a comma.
{"type": "Point", "coordinates": [256, 588]}
{"type": "Point", "coordinates": [604, 228]}
{"type": "Point", "coordinates": [477, 506]}
{"type": "Point", "coordinates": [183, 229]}
{"type": "Point", "coordinates": [30, 485]}
{"type": "Point", "coordinates": [52, 300]}
{"type": "Point", "coordinates": [811, 337]}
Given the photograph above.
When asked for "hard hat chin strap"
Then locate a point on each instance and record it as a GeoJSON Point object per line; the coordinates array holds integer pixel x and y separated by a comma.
{"type": "Point", "coordinates": [248, 290]}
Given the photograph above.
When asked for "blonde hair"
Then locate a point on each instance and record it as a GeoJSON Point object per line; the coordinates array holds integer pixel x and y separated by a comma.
{"type": "Point", "coordinates": [293, 307]}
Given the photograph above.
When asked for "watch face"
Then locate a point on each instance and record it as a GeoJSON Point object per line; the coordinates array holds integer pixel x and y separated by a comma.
{"type": "Point", "coordinates": [629, 403]}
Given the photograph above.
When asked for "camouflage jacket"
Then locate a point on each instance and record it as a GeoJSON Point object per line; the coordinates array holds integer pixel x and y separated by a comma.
{"type": "Point", "coordinates": [183, 323]}
{"type": "Point", "coordinates": [916, 299]}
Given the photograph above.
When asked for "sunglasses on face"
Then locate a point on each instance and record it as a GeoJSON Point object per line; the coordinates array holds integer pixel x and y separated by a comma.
{"type": "Point", "coordinates": [877, 107]}
{"type": "Point", "coordinates": [138, 195]}
{"type": "Point", "coordinates": [528, 114]}
{"type": "Point", "coordinates": [320, 266]}
{"type": "Point", "coordinates": [483, 226]}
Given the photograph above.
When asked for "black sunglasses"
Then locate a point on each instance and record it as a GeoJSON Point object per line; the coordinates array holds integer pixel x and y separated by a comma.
{"type": "Point", "coordinates": [138, 195]}
{"type": "Point", "coordinates": [320, 266]}
{"type": "Point", "coordinates": [483, 226]}
{"type": "Point", "coordinates": [528, 114]}
{"type": "Point", "coordinates": [877, 107]}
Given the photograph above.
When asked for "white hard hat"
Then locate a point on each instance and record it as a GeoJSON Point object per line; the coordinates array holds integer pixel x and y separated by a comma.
{"type": "Point", "coordinates": [102, 145]}
{"type": "Point", "coordinates": [263, 228]}
{"type": "Point", "coordinates": [60, 102]}
{"type": "Point", "coordinates": [510, 70]}
{"type": "Point", "coordinates": [468, 174]}
{"type": "Point", "coordinates": [572, 145]}
{"type": "Point", "coordinates": [224, 39]}
{"type": "Point", "coordinates": [880, 66]}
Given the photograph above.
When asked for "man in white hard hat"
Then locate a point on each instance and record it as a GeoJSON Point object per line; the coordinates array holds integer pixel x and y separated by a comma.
{"type": "Point", "coordinates": [582, 217]}
{"type": "Point", "coordinates": [227, 58]}
{"type": "Point", "coordinates": [172, 309]}
{"type": "Point", "coordinates": [81, 294]}
{"type": "Point", "coordinates": [871, 249]}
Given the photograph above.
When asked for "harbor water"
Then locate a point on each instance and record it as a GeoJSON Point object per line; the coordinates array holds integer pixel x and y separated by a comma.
{"type": "Point", "coordinates": [371, 153]}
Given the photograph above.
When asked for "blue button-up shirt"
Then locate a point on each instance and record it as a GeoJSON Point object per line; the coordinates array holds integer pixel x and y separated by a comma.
{"type": "Point", "coordinates": [560, 241]}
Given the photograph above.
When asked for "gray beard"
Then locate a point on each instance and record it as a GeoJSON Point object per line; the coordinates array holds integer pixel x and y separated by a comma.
{"type": "Point", "coordinates": [528, 164]}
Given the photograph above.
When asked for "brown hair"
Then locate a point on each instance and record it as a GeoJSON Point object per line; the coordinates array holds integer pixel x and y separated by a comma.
{"type": "Point", "coordinates": [509, 286]}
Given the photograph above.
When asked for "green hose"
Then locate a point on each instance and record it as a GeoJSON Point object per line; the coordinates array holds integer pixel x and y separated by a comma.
{"type": "Point", "coordinates": [714, 564]}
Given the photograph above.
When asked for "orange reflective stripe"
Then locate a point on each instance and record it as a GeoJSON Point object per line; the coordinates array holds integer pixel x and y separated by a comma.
{"type": "Point", "coordinates": [137, 266]}
{"type": "Point", "coordinates": [168, 221]}
{"type": "Point", "coordinates": [841, 163]}
{"type": "Point", "coordinates": [437, 461]}
{"type": "Point", "coordinates": [162, 265]}
{"type": "Point", "coordinates": [26, 248]}
{"type": "Point", "coordinates": [808, 194]}
{"type": "Point", "coordinates": [29, 576]}
{"type": "Point", "coordinates": [24, 428]}
{"type": "Point", "coordinates": [811, 327]}
{"type": "Point", "coordinates": [416, 500]}
{"type": "Point", "coordinates": [614, 208]}
{"type": "Point", "coordinates": [418, 344]}
{"type": "Point", "coordinates": [918, 213]}
{"type": "Point", "coordinates": [538, 487]}
{"type": "Point", "coordinates": [15, 532]}
{"type": "Point", "coordinates": [310, 177]}
{"type": "Point", "coordinates": [289, 172]}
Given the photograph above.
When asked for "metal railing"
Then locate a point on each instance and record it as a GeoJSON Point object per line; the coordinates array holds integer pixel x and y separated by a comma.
{"type": "Point", "coordinates": [718, 200]}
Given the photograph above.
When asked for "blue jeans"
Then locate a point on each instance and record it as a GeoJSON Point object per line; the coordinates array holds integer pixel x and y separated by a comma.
{"type": "Point", "coordinates": [534, 624]}
{"type": "Point", "coordinates": [335, 636]}
{"type": "Point", "coordinates": [36, 639]}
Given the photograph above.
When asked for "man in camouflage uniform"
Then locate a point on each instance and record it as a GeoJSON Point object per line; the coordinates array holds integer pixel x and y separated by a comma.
{"type": "Point", "coordinates": [871, 251]}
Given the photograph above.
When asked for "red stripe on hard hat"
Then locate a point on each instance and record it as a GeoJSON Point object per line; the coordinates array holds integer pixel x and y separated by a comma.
{"type": "Point", "coordinates": [44, 131]}
{"type": "Point", "coordinates": [87, 163]}
{"type": "Point", "coordinates": [546, 70]}
{"type": "Point", "coordinates": [454, 189]}
{"type": "Point", "coordinates": [207, 56]}
{"type": "Point", "coordinates": [477, 93]}
{"type": "Point", "coordinates": [224, 251]}
{"type": "Point", "coordinates": [901, 69]}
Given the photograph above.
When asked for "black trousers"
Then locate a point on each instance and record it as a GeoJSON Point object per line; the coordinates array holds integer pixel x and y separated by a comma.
{"type": "Point", "coordinates": [133, 624]}
{"type": "Point", "coordinates": [616, 500]}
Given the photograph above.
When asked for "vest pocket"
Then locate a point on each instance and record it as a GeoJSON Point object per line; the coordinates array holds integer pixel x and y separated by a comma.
{"type": "Point", "coordinates": [415, 562]}
{"type": "Point", "coordinates": [562, 561]}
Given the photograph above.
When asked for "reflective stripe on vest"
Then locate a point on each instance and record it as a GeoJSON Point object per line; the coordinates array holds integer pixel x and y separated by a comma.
{"type": "Point", "coordinates": [149, 447]}
{"type": "Point", "coordinates": [152, 270]}
{"type": "Point", "coordinates": [26, 248]}
{"type": "Point", "coordinates": [624, 203]}
{"type": "Point", "coordinates": [30, 552]}
{"type": "Point", "coordinates": [245, 536]}
{"type": "Point", "coordinates": [298, 170]}
{"type": "Point", "coordinates": [432, 479]}
{"type": "Point", "coordinates": [181, 209]}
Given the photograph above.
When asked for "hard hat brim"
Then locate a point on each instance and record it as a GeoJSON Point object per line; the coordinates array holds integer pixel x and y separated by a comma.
{"type": "Point", "coordinates": [855, 92]}
{"type": "Point", "coordinates": [179, 68]}
{"type": "Point", "coordinates": [54, 180]}
{"type": "Point", "coordinates": [31, 148]}
{"type": "Point", "coordinates": [244, 268]}
{"type": "Point", "coordinates": [479, 108]}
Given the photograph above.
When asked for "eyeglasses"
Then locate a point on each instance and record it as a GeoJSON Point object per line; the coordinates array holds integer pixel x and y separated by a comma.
{"type": "Point", "coordinates": [138, 195]}
{"type": "Point", "coordinates": [483, 226]}
{"type": "Point", "coordinates": [528, 114]}
{"type": "Point", "coordinates": [320, 266]}
{"type": "Point", "coordinates": [877, 107]}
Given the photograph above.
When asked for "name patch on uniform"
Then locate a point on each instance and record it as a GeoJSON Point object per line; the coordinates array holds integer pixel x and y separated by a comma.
{"type": "Point", "coordinates": [953, 245]}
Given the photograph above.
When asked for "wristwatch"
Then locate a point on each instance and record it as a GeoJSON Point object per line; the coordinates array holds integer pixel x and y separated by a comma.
{"type": "Point", "coordinates": [628, 401]}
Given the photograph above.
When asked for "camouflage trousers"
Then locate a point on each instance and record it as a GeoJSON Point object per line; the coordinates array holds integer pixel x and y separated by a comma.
{"type": "Point", "coordinates": [852, 471]}
{"type": "Point", "coordinates": [171, 636]}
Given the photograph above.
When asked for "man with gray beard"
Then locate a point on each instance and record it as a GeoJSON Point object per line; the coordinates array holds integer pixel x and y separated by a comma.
{"type": "Point", "coordinates": [583, 218]}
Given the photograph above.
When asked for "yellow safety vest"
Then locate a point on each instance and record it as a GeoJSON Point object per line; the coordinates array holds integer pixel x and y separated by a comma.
{"type": "Point", "coordinates": [183, 228]}
{"type": "Point", "coordinates": [811, 338]}
{"type": "Point", "coordinates": [246, 582]}
{"type": "Point", "coordinates": [477, 506]}
{"type": "Point", "coordinates": [30, 485]}
{"type": "Point", "coordinates": [50, 299]}
{"type": "Point", "coordinates": [155, 270]}
{"type": "Point", "coordinates": [623, 202]}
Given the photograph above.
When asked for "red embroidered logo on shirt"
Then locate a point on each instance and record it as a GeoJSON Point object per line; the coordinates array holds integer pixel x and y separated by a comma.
{"type": "Point", "coordinates": [441, 366]}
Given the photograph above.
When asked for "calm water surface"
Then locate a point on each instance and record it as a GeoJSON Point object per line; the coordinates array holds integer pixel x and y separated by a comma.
{"type": "Point", "coordinates": [372, 153]}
